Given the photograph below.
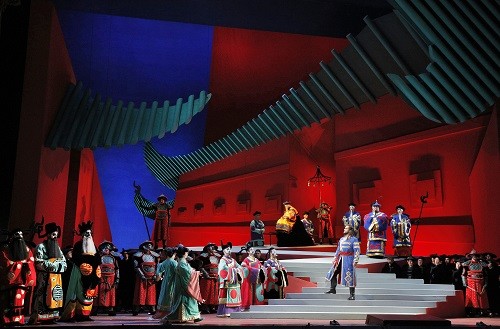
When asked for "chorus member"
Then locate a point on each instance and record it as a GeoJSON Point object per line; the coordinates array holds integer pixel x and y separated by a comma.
{"type": "Point", "coordinates": [375, 224]}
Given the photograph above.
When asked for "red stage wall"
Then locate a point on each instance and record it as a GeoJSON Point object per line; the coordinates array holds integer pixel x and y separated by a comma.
{"type": "Point", "coordinates": [484, 181]}
{"type": "Point", "coordinates": [251, 69]}
{"type": "Point", "coordinates": [42, 175]}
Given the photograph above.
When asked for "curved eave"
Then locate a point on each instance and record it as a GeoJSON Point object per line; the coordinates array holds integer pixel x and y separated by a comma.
{"type": "Point", "coordinates": [87, 122]}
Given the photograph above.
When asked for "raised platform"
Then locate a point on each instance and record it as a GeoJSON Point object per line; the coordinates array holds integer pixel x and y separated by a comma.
{"type": "Point", "coordinates": [376, 293]}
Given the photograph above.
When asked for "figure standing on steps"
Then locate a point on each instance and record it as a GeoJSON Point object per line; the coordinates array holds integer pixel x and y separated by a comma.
{"type": "Point", "coordinates": [353, 218]}
{"type": "Point", "coordinates": [401, 226]}
{"type": "Point", "coordinates": [326, 228]}
{"type": "Point", "coordinates": [375, 223]}
{"type": "Point", "coordinates": [344, 262]}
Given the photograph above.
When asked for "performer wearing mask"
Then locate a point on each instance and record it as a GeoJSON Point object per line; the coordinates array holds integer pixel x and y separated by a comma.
{"type": "Point", "coordinates": [85, 277]}
{"type": "Point", "coordinates": [251, 287]}
{"type": "Point", "coordinates": [110, 277]}
{"type": "Point", "coordinates": [401, 226]}
{"type": "Point", "coordinates": [50, 263]}
{"type": "Point", "coordinates": [17, 279]}
{"type": "Point", "coordinates": [276, 276]}
{"type": "Point", "coordinates": [353, 218]}
{"type": "Point", "coordinates": [344, 262]}
{"type": "Point", "coordinates": [230, 276]}
{"type": "Point", "coordinates": [376, 224]}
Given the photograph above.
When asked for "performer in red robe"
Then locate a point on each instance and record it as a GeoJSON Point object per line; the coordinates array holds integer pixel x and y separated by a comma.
{"type": "Point", "coordinates": [252, 292]}
{"type": "Point", "coordinates": [325, 221]}
{"type": "Point", "coordinates": [209, 285]}
{"type": "Point", "coordinates": [159, 212]}
{"type": "Point", "coordinates": [110, 277]}
{"type": "Point", "coordinates": [17, 279]}
{"type": "Point", "coordinates": [145, 261]}
{"type": "Point", "coordinates": [476, 298]}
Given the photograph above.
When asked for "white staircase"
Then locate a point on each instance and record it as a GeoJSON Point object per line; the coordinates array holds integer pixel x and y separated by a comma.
{"type": "Point", "coordinates": [376, 293]}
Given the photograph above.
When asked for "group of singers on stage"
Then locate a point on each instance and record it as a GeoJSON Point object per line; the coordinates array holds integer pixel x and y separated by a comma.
{"type": "Point", "coordinates": [44, 284]}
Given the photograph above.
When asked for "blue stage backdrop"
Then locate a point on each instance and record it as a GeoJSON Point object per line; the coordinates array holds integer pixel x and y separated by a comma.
{"type": "Point", "coordinates": [137, 60]}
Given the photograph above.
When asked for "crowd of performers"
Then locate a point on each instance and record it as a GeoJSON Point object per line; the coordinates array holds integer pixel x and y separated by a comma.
{"type": "Point", "coordinates": [477, 275]}
{"type": "Point", "coordinates": [44, 283]}
{"type": "Point", "coordinates": [292, 230]}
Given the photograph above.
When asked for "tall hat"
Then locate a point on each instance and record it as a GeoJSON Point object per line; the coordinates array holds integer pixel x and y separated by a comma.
{"type": "Point", "coordinates": [84, 227]}
{"type": "Point", "coordinates": [162, 196]}
{"type": "Point", "coordinates": [50, 228]}
{"type": "Point", "coordinates": [376, 204]}
{"type": "Point", "coordinates": [107, 245]}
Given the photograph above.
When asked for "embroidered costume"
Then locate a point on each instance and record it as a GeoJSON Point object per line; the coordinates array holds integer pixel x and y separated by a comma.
{"type": "Point", "coordinates": [50, 263]}
{"type": "Point", "coordinates": [344, 262]}
{"type": "Point", "coordinates": [209, 286]}
{"type": "Point", "coordinates": [251, 286]}
{"type": "Point", "coordinates": [84, 279]}
{"type": "Point", "coordinates": [17, 279]}
{"type": "Point", "coordinates": [145, 283]}
{"type": "Point", "coordinates": [353, 218]}
{"type": "Point", "coordinates": [276, 279]}
{"type": "Point", "coordinates": [230, 276]}
{"type": "Point", "coordinates": [376, 224]}
{"type": "Point", "coordinates": [401, 226]}
{"type": "Point", "coordinates": [186, 293]}
{"type": "Point", "coordinates": [110, 277]}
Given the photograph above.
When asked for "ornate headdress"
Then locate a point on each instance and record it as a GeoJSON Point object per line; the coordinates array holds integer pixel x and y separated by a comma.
{"type": "Point", "coordinates": [49, 228]}
{"type": "Point", "coordinates": [84, 227]}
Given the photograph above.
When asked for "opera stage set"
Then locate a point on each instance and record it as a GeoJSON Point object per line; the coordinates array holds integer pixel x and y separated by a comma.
{"type": "Point", "coordinates": [229, 107]}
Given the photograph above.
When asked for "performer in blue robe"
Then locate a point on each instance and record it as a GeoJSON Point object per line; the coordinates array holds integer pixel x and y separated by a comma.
{"type": "Point", "coordinates": [353, 218]}
{"type": "Point", "coordinates": [401, 226]}
{"type": "Point", "coordinates": [376, 224]}
{"type": "Point", "coordinates": [344, 262]}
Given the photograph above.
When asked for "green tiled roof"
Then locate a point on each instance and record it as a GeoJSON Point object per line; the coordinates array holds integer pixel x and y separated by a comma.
{"type": "Point", "coordinates": [441, 57]}
{"type": "Point", "coordinates": [84, 121]}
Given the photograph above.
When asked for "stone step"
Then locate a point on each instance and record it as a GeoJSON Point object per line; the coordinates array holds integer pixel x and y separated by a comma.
{"type": "Point", "coordinates": [390, 290]}
{"type": "Point", "coordinates": [334, 315]}
{"type": "Point", "coordinates": [311, 267]}
{"type": "Point", "coordinates": [360, 278]}
{"type": "Point", "coordinates": [439, 297]}
{"type": "Point", "coordinates": [358, 274]}
{"type": "Point", "coordinates": [334, 302]}
{"type": "Point", "coordinates": [415, 284]}
{"type": "Point", "coordinates": [347, 307]}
